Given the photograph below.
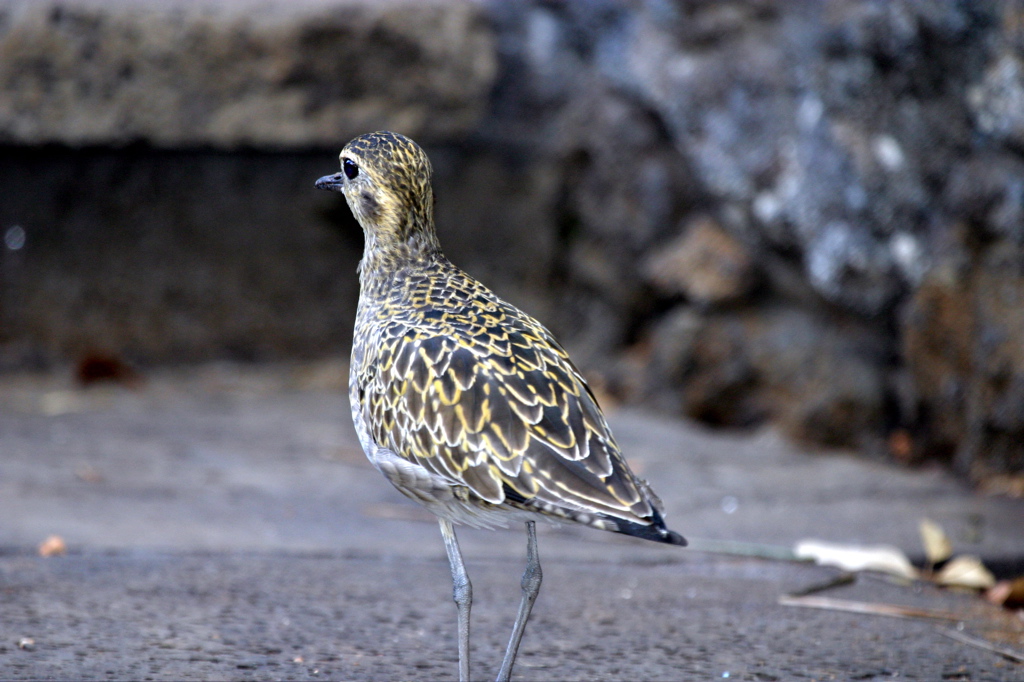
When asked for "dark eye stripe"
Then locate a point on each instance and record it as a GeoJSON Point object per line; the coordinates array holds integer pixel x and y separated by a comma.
{"type": "Point", "coordinates": [350, 168]}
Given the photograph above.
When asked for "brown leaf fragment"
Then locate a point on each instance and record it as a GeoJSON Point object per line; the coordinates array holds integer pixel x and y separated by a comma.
{"type": "Point", "coordinates": [98, 366]}
{"type": "Point", "coordinates": [1008, 593]}
{"type": "Point", "coordinates": [53, 546]}
{"type": "Point", "coordinates": [901, 445]}
{"type": "Point", "coordinates": [88, 474]}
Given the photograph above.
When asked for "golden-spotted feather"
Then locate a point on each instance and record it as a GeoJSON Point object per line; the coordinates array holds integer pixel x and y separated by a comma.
{"type": "Point", "coordinates": [466, 404]}
{"type": "Point", "coordinates": [448, 377]}
{"type": "Point", "coordinates": [484, 397]}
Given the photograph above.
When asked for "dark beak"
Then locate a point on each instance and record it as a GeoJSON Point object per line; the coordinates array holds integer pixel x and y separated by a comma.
{"type": "Point", "coordinates": [332, 183]}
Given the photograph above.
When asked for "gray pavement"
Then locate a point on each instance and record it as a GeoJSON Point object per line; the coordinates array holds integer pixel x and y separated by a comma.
{"type": "Point", "coordinates": [223, 524]}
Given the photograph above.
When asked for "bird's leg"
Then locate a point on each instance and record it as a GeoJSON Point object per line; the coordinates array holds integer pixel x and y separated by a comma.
{"type": "Point", "coordinates": [531, 588]}
{"type": "Point", "coordinates": [462, 591]}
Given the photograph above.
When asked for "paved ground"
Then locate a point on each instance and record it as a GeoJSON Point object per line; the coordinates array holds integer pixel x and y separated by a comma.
{"type": "Point", "coordinates": [222, 524]}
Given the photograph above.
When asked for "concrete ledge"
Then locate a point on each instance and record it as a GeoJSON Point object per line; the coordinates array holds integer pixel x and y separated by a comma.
{"type": "Point", "coordinates": [225, 74]}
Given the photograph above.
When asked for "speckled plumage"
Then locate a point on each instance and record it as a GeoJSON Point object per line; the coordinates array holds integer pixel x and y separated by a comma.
{"type": "Point", "coordinates": [464, 402]}
{"type": "Point", "coordinates": [449, 378]}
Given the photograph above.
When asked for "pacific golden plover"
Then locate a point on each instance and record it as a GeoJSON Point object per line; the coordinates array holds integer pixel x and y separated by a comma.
{"type": "Point", "coordinates": [465, 403]}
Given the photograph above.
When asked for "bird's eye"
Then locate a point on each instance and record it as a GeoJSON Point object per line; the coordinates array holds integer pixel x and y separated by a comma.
{"type": "Point", "coordinates": [351, 169]}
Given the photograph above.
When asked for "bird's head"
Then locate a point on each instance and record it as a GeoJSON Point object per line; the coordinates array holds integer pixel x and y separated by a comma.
{"type": "Point", "coordinates": [385, 178]}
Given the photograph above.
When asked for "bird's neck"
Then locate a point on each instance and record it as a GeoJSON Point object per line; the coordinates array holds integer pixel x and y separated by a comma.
{"type": "Point", "coordinates": [388, 254]}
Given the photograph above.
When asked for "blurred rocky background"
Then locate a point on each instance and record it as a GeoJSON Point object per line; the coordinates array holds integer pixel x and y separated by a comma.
{"type": "Point", "coordinates": [800, 213]}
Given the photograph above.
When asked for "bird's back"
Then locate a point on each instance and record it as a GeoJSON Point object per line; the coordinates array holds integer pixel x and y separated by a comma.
{"type": "Point", "coordinates": [471, 407]}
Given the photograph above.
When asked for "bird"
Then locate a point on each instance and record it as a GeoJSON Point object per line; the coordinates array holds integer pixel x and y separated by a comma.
{"type": "Point", "coordinates": [466, 404]}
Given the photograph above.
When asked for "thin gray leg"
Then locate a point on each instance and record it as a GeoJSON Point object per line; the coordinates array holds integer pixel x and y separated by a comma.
{"type": "Point", "coordinates": [462, 591]}
{"type": "Point", "coordinates": [531, 588]}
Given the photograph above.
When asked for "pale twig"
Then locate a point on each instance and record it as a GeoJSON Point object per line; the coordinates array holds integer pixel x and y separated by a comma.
{"type": "Point", "coordinates": [870, 608]}
{"type": "Point", "coordinates": [1009, 653]}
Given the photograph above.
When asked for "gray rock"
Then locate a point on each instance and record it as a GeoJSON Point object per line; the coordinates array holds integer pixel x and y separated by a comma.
{"type": "Point", "coordinates": [963, 345]}
{"type": "Point", "coordinates": [987, 191]}
{"type": "Point", "coordinates": [704, 263]}
{"type": "Point", "coordinates": [670, 356]}
{"type": "Point", "coordinates": [821, 382]}
{"type": "Point", "coordinates": [997, 102]}
{"type": "Point", "coordinates": [240, 72]}
{"type": "Point", "coordinates": [863, 155]}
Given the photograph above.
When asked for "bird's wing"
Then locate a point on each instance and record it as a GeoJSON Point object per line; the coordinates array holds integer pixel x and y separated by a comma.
{"type": "Point", "coordinates": [502, 412]}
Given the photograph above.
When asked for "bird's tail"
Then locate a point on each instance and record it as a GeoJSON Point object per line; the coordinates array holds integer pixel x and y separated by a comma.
{"type": "Point", "coordinates": [655, 530]}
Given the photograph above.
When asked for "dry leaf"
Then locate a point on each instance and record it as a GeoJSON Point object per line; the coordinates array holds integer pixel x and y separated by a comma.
{"type": "Point", "coordinates": [1008, 593]}
{"type": "Point", "coordinates": [853, 558]}
{"type": "Point", "coordinates": [965, 571]}
{"type": "Point", "coordinates": [937, 547]}
{"type": "Point", "coordinates": [901, 445]}
{"type": "Point", "coordinates": [998, 593]}
{"type": "Point", "coordinates": [1016, 597]}
{"type": "Point", "coordinates": [53, 546]}
{"type": "Point", "coordinates": [100, 366]}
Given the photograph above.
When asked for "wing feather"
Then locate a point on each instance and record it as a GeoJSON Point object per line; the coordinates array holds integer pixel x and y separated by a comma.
{"type": "Point", "coordinates": [487, 399]}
